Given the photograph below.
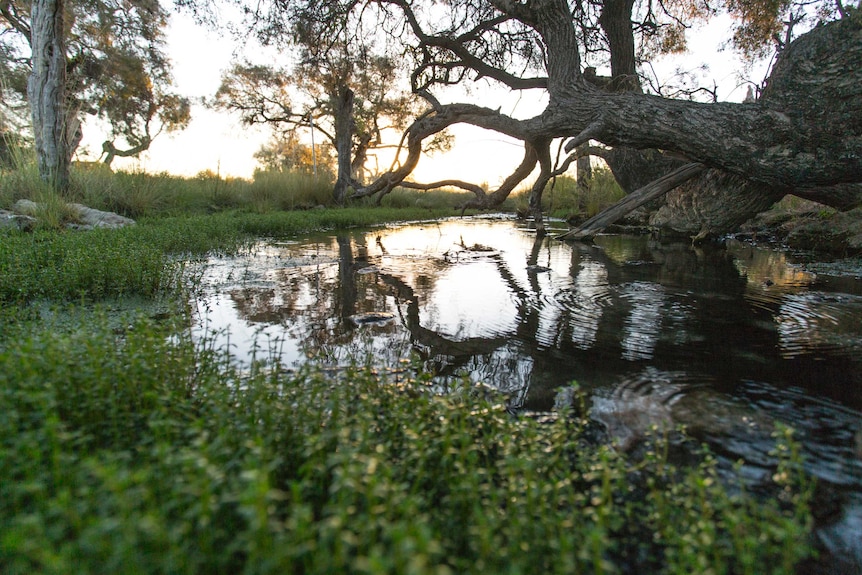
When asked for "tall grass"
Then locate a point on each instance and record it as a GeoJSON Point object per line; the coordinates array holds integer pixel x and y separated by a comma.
{"type": "Point", "coordinates": [139, 194]}
{"type": "Point", "coordinates": [141, 451]}
{"type": "Point", "coordinates": [563, 198]}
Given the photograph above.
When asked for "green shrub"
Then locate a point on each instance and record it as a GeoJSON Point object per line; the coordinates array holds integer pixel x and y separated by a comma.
{"type": "Point", "coordinates": [140, 451]}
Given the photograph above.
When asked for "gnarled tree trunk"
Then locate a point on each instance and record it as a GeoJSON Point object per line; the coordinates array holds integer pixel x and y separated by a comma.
{"type": "Point", "coordinates": [46, 91]}
{"type": "Point", "coordinates": [343, 141]}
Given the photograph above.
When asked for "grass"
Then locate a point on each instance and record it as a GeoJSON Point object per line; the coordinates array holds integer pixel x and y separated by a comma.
{"type": "Point", "coordinates": [563, 199]}
{"type": "Point", "coordinates": [128, 446]}
{"type": "Point", "coordinates": [142, 451]}
{"type": "Point", "coordinates": [141, 195]}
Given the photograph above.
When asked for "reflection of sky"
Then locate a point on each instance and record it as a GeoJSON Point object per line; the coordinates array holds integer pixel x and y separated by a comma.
{"type": "Point", "coordinates": [470, 301]}
{"type": "Point", "coordinates": [643, 324]}
{"type": "Point", "coordinates": [591, 288]}
{"type": "Point", "coordinates": [221, 321]}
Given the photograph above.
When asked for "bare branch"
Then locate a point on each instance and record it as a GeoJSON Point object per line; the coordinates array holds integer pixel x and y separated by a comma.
{"type": "Point", "coordinates": [476, 189]}
{"type": "Point", "coordinates": [633, 201]}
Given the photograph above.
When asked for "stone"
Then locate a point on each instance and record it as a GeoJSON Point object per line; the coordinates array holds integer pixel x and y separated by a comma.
{"type": "Point", "coordinates": [12, 220]}
{"type": "Point", "coordinates": [99, 219]}
{"type": "Point", "coordinates": [26, 208]}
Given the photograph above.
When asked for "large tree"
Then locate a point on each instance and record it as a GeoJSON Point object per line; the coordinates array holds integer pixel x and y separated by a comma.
{"type": "Point", "coordinates": [802, 136]}
{"type": "Point", "coordinates": [114, 64]}
{"type": "Point", "coordinates": [53, 129]}
{"type": "Point", "coordinates": [346, 86]}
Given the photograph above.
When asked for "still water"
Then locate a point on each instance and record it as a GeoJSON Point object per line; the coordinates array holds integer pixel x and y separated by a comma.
{"type": "Point", "coordinates": [726, 341]}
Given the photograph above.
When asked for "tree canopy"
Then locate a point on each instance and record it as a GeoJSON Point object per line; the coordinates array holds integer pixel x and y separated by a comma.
{"type": "Point", "coordinates": [116, 68]}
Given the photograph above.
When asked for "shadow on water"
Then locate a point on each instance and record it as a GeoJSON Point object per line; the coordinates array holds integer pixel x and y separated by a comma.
{"type": "Point", "coordinates": [728, 342]}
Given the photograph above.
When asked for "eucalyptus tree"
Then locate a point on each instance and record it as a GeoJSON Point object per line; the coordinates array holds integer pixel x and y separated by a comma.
{"type": "Point", "coordinates": [346, 86]}
{"type": "Point", "coordinates": [313, 95]}
{"type": "Point", "coordinates": [103, 58]}
{"type": "Point", "coordinates": [802, 136]}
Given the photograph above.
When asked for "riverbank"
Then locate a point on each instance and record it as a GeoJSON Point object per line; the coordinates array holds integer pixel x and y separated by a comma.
{"type": "Point", "coordinates": [809, 226]}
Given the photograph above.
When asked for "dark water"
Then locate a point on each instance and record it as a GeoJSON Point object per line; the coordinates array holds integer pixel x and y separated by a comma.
{"type": "Point", "coordinates": [727, 342]}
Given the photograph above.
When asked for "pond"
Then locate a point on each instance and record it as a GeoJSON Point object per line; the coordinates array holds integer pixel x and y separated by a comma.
{"type": "Point", "coordinates": [727, 341]}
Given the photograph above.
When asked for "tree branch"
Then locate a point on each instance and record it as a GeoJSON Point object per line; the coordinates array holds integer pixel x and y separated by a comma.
{"type": "Point", "coordinates": [633, 201]}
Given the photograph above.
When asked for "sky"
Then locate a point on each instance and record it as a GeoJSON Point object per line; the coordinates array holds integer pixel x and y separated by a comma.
{"type": "Point", "coordinates": [218, 142]}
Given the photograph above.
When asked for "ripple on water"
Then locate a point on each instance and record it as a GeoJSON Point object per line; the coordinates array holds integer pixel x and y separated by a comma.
{"type": "Point", "coordinates": [816, 322]}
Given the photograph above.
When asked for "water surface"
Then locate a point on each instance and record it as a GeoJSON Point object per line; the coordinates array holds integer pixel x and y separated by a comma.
{"type": "Point", "coordinates": [726, 341]}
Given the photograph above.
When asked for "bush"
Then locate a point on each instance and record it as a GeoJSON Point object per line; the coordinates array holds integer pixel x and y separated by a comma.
{"type": "Point", "coordinates": [141, 451]}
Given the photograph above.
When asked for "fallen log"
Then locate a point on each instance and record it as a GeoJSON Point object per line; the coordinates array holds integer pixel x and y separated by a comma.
{"type": "Point", "coordinates": [633, 201]}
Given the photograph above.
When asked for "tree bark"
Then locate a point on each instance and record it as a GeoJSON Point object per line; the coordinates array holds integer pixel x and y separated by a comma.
{"type": "Point", "coordinates": [46, 91]}
{"type": "Point", "coordinates": [343, 141]}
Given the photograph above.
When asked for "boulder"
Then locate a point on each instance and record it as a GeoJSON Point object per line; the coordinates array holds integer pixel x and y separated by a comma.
{"type": "Point", "coordinates": [99, 219]}
{"type": "Point", "coordinates": [12, 220]}
{"type": "Point", "coordinates": [24, 213]}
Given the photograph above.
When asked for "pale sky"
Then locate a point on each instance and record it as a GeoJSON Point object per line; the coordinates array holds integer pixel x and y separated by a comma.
{"type": "Point", "coordinates": [217, 141]}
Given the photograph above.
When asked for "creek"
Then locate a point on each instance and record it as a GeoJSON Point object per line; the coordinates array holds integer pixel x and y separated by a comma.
{"type": "Point", "coordinates": [728, 341]}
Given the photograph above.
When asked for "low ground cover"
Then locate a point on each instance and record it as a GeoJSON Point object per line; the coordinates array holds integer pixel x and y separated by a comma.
{"type": "Point", "coordinates": [141, 451]}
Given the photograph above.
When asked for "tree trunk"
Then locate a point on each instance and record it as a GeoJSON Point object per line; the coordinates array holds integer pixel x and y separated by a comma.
{"type": "Point", "coordinates": [343, 141]}
{"type": "Point", "coordinates": [616, 22]}
{"type": "Point", "coordinates": [46, 91]}
{"type": "Point", "coordinates": [632, 201]}
{"type": "Point", "coordinates": [584, 172]}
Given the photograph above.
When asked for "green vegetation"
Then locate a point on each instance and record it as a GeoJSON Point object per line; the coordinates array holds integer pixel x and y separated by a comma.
{"type": "Point", "coordinates": [563, 199]}
{"type": "Point", "coordinates": [128, 446]}
{"type": "Point", "coordinates": [139, 450]}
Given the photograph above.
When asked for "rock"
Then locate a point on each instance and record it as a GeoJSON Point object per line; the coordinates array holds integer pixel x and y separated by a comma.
{"type": "Point", "coordinates": [88, 218]}
{"type": "Point", "coordinates": [26, 208]}
{"type": "Point", "coordinates": [100, 219]}
{"type": "Point", "coordinates": [12, 220]}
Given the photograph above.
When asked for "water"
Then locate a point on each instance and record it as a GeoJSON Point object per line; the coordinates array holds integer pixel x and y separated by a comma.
{"type": "Point", "coordinates": [727, 342]}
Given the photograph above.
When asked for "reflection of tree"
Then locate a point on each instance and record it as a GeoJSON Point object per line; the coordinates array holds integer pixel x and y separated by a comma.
{"type": "Point", "coordinates": [602, 311]}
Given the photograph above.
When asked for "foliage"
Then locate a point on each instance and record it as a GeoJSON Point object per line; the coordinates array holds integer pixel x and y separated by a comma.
{"type": "Point", "coordinates": [285, 153]}
{"type": "Point", "coordinates": [139, 447]}
{"type": "Point", "coordinates": [116, 66]}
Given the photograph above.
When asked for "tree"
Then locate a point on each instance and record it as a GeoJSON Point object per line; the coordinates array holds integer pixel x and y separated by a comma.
{"type": "Point", "coordinates": [46, 91]}
{"type": "Point", "coordinates": [115, 66]}
{"type": "Point", "coordinates": [351, 101]}
{"type": "Point", "coordinates": [285, 153]}
{"type": "Point", "coordinates": [803, 136]}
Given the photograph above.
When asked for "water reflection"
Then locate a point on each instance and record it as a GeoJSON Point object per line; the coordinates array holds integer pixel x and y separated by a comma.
{"type": "Point", "coordinates": [725, 341]}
